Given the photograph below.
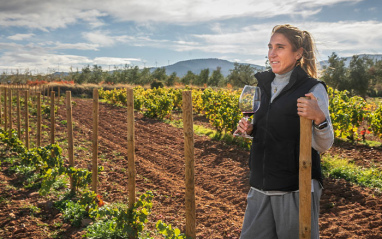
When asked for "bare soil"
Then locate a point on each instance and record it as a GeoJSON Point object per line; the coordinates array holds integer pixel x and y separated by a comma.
{"type": "Point", "coordinates": [221, 177]}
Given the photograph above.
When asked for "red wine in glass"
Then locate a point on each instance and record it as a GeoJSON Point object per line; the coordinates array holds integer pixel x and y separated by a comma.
{"type": "Point", "coordinates": [249, 103]}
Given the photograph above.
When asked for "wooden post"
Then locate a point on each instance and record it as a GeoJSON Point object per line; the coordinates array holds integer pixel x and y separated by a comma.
{"type": "Point", "coordinates": [52, 118]}
{"type": "Point", "coordinates": [189, 164]}
{"type": "Point", "coordinates": [95, 141]}
{"type": "Point", "coordinates": [58, 96]}
{"type": "Point", "coordinates": [38, 119]}
{"type": "Point", "coordinates": [18, 115]}
{"type": "Point", "coordinates": [131, 147]}
{"type": "Point", "coordinates": [69, 123]}
{"type": "Point", "coordinates": [10, 111]}
{"type": "Point", "coordinates": [5, 110]}
{"type": "Point", "coordinates": [26, 119]}
{"type": "Point", "coordinates": [1, 117]}
{"type": "Point", "coordinates": [305, 178]}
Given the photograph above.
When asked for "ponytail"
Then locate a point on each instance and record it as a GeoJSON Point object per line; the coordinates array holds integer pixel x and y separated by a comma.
{"type": "Point", "coordinates": [300, 39]}
{"type": "Point", "coordinates": [308, 60]}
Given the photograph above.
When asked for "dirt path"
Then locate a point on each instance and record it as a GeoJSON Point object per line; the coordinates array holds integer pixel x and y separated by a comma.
{"type": "Point", "coordinates": [221, 176]}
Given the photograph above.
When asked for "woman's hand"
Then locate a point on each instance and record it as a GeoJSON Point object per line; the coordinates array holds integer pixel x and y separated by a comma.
{"type": "Point", "coordinates": [309, 109]}
{"type": "Point", "coordinates": [244, 125]}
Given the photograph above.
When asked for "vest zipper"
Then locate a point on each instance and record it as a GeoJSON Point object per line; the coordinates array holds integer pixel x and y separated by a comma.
{"type": "Point", "coordinates": [265, 140]}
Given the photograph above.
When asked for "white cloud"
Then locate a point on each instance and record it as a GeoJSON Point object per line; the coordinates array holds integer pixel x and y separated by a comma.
{"type": "Point", "coordinates": [20, 37]}
{"type": "Point", "coordinates": [348, 37]}
{"type": "Point", "coordinates": [76, 46]}
{"type": "Point", "coordinates": [114, 61]}
{"type": "Point", "coordinates": [48, 14]}
{"type": "Point", "coordinates": [104, 39]}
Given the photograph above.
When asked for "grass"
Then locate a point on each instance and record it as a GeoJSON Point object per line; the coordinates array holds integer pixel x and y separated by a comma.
{"type": "Point", "coordinates": [213, 134]}
{"type": "Point", "coordinates": [336, 167]}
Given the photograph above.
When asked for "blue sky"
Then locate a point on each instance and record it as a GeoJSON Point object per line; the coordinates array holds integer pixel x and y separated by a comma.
{"type": "Point", "coordinates": [44, 36]}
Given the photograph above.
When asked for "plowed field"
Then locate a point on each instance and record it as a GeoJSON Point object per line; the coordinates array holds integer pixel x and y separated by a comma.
{"type": "Point", "coordinates": [221, 175]}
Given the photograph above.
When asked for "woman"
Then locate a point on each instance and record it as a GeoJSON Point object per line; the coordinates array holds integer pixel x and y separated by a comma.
{"type": "Point", "coordinates": [272, 202]}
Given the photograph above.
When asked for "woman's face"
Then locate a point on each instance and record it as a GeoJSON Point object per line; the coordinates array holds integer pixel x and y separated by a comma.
{"type": "Point", "coordinates": [281, 56]}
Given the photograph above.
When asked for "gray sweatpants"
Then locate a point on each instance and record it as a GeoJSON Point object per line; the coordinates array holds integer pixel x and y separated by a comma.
{"type": "Point", "coordinates": [277, 217]}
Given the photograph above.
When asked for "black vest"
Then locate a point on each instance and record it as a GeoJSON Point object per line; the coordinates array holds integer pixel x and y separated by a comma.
{"type": "Point", "coordinates": [274, 157]}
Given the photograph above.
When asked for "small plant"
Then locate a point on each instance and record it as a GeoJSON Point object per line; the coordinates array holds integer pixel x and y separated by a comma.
{"type": "Point", "coordinates": [121, 222]}
{"type": "Point", "coordinates": [168, 232]}
{"type": "Point", "coordinates": [74, 213]}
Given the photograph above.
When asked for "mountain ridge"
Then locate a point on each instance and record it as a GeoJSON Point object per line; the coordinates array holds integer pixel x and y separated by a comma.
{"type": "Point", "coordinates": [196, 65]}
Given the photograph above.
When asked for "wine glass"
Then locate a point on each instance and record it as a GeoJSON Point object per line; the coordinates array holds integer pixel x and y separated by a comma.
{"type": "Point", "coordinates": [249, 103]}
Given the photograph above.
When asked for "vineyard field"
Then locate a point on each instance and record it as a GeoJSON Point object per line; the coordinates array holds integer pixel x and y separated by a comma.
{"type": "Point", "coordinates": [221, 177]}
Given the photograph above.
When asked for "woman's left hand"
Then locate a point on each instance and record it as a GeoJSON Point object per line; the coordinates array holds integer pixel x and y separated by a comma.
{"type": "Point", "coordinates": [309, 109]}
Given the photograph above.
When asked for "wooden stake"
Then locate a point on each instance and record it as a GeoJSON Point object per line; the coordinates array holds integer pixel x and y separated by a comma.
{"type": "Point", "coordinates": [95, 141]}
{"type": "Point", "coordinates": [5, 110]}
{"type": "Point", "coordinates": [131, 147]}
{"type": "Point", "coordinates": [52, 118]}
{"type": "Point", "coordinates": [18, 115]}
{"type": "Point", "coordinates": [189, 164]}
{"type": "Point", "coordinates": [69, 123]}
{"type": "Point", "coordinates": [26, 119]}
{"type": "Point", "coordinates": [39, 119]}
{"type": "Point", "coordinates": [1, 117]}
{"type": "Point", "coordinates": [305, 178]}
{"type": "Point", "coordinates": [59, 96]}
{"type": "Point", "coordinates": [10, 111]}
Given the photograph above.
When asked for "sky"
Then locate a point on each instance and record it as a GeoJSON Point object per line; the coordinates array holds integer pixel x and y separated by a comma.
{"type": "Point", "coordinates": [46, 36]}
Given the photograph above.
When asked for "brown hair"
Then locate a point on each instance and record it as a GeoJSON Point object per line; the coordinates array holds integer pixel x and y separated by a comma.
{"type": "Point", "coordinates": [298, 39]}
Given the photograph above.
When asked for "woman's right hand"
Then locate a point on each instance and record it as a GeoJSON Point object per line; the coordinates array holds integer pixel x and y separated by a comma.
{"type": "Point", "coordinates": [244, 125]}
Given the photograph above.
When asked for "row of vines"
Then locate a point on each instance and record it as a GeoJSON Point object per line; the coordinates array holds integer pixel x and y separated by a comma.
{"type": "Point", "coordinates": [348, 113]}
{"type": "Point", "coordinates": [44, 168]}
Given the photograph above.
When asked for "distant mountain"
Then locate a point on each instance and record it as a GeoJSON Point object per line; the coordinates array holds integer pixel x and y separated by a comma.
{"type": "Point", "coordinates": [375, 57]}
{"type": "Point", "coordinates": [196, 65]}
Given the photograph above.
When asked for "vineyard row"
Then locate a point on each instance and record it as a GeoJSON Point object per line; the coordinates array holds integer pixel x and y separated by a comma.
{"type": "Point", "coordinates": [348, 113]}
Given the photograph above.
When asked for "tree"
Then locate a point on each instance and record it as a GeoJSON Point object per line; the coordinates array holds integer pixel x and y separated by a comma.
{"type": "Point", "coordinates": [84, 76]}
{"type": "Point", "coordinates": [189, 78]}
{"type": "Point", "coordinates": [335, 75]}
{"type": "Point", "coordinates": [96, 75]}
{"type": "Point", "coordinates": [375, 72]}
{"type": "Point", "coordinates": [358, 74]}
{"type": "Point", "coordinates": [241, 75]}
{"type": "Point", "coordinates": [160, 74]}
{"type": "Point", "coordinates": [133, 75]}
{"type": "Point", "coordinates": [203, 77]}
{"type": "Point", "coordinates": [146, 77]}
{"type": "Point", "coordinates": [216, 77]}
{"type": "Point", "coordinates": [171, 79]}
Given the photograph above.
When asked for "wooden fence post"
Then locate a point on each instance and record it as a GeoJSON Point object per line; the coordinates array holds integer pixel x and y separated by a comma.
{"type": "Point", "coordinates": [305, 178]}
{"type": "Point", "coordinates": [58, 96]}
{"type": "Point", "coordinates": [95, 141]}
{"type": "Point", "coordinates": [5, 111]}
{"type": "Point", "coordinates": [26, 119]}
{"type": "Point", "coordinates": [18, 115]}
{"type": "Point", "coordinates": [52, 118]}
{"type": "Point", "coordinates": [1, 116]}
{"type": "Point", "coordinates": [10, 110]}
{"type": "Point", "coordinates": [189, 164]}
{"type": "Point", "coordinates": [39, 119]}
{"type": "Point", "coordinates": [69, 123]}
{"type": "Point", "coordinates": [131, 147]}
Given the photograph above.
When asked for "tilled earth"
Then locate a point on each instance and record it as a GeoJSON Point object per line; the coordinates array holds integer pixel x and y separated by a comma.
{"type": "Point", "coordinates": [221, 182]}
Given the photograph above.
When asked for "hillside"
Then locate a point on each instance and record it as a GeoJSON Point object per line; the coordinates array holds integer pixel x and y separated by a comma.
{"type": "Point", "coordinates": [196, 65]}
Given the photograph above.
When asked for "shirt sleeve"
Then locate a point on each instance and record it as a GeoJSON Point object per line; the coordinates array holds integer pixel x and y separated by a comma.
{"type": "Point", "coordinates": [322, 139]}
